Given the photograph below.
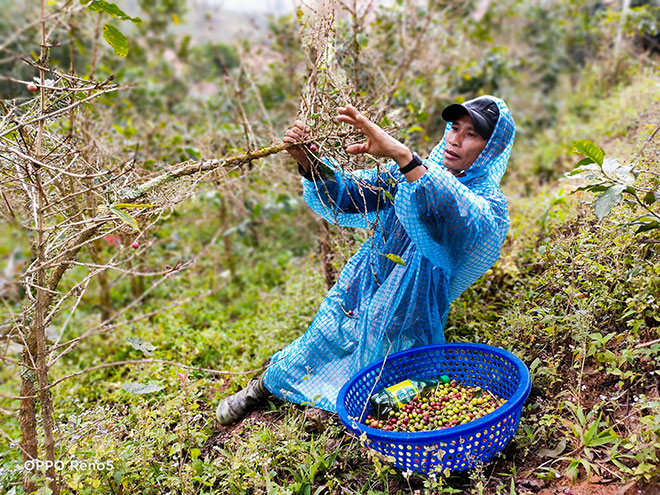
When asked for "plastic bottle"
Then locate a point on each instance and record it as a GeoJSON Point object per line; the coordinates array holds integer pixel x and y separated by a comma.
{"type": "Point", "coordinates": [396, 396]}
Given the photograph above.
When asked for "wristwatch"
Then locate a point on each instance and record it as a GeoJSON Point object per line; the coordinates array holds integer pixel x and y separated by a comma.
{"type": "Point", "coordinates": [414, 163]}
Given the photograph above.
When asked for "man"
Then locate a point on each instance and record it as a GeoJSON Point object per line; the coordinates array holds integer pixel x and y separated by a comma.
{"type": "Point", "coordinates": [444, 218]}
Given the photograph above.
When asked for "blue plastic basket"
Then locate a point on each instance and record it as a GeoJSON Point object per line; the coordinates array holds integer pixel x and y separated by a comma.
{"type": "Point", "coordinates": [455, 449]}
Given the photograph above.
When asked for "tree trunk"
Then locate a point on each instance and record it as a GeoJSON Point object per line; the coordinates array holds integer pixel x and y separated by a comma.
{"type": "Point", "coordinates": [137, 281]}
{"type": "Point", "coordinates": [38, 333]}
{"type": "Point", "coordinates": [27, 417]}
{"type": "Point", "coordinates": [105, 298]}
{"type": "Point", "coordinates": [329, 272]}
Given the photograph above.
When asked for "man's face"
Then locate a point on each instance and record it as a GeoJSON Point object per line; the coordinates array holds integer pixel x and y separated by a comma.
{"type": "Point", "coordinates": [462, 146]}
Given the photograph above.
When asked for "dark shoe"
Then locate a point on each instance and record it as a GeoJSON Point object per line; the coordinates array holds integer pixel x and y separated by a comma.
{"type": "Point", "coordinates": [236, 406]}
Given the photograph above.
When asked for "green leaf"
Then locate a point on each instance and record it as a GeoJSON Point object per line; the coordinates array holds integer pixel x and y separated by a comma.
{"type": "Point", "coordinates": [646, 226]}
{"type": "Point", "coordinates": [593, 188]}
{"type": "Point", "coordinates": [388, 195]}
{"type": "Point", "coordinates": [112, 10]}
{"type": "Point", "coordinates": [603, 438]}
{"type": "Point", "coordinates": [649, 198]}
{"type": "Point", "coordinates": [395, 258]}
{"type": "Point", "coordinates": [614, 169]}
{"type": "Point", "coordinates": [128, 206]}
{"type": "Point", "coordinates": [591, 432]}
{"type": "Point", "coordinates": [145, 347]}
{"type": "Point", "coordinates": [194, 453]}
{"type": "Point", "coordinates": [590, 150]}
{"type": "Point", "coordinates": [579, 414]}
{"type": "Point", "coordinates": [585, 171]}
{"type": "Point", "coordinates": [561, 446]}
{"type": "Point", "coordinates": [607, 200]}
{"type": "Point", "coordinates": [115, 39]}
{"type": "Point", "coordinates": [584, 161]}
{"type": "Point", "coordinates": [125, 217]}
{"type": "Point", "coordinates": [572, 471]}
{"type": "Point", "coordinates": [141, 388]}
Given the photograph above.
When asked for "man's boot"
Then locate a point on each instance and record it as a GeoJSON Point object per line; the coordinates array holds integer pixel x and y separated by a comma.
{"type": "Point", "coordinates": [236, 406]}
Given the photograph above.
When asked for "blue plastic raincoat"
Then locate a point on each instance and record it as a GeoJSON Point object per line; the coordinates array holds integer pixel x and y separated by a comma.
{"type": "Point", "coordinates": [447, 230]}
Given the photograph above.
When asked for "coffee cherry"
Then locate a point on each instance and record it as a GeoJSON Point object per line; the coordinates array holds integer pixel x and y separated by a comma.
{"type": "Point", "coordinates": [32, 87]}
{"type": "Point", "coordinates": [447, 405]}
{"type": "Point", "coordinates": [135, 244]}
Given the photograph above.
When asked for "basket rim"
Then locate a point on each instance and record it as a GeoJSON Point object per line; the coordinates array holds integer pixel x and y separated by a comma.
{"type": "Point", "coordinates": [515, 402]}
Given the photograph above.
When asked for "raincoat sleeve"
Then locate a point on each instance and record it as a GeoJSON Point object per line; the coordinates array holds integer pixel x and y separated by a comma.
{"type": "Point", "coordinates": [349, 199]}
{"type": "Point", "coordinates": [443, 217]}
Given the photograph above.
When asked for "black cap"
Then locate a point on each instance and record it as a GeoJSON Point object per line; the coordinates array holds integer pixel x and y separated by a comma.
{"type": "Point", "coordinates": [483, 112]}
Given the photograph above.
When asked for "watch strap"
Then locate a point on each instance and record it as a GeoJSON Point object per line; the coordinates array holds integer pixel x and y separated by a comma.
{"type": "Point", "coordinates": [414, 163]}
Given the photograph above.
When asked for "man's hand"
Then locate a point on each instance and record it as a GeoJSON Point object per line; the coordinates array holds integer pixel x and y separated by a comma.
{"type": "Point", "coordinates": [378, 142]}
{"type": "Point", "coordinates": [296, 133]}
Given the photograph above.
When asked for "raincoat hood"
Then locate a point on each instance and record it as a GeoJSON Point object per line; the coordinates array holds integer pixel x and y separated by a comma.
{"type": "Point", "coordinates": [491, 163]}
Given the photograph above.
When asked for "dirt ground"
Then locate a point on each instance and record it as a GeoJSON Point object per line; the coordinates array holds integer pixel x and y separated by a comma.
{"type": "Point", "coordinates": [591, 488]}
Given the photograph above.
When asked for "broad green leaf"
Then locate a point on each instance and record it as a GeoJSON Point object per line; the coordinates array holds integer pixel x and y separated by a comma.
{"type": "Point", "coordinates": [604, 438]}
{"type": "Point", "coordinates": [115, 39]}
{"type": "Point", "coordinates": [591, 187]}
{"type": "Point", "coordinates": [561, 446]}
{"type": "Point", "coordinates": [141, 388]}
{"type": "Point", "coordinates": [590, 150]}
{"type": "Point", "coordinates": [126, 218]}
{"type": "Point", "coordinates": [137, 343]}
{"type": "Point", "coordinates": [591, 432]}
{"type": "Point", "coordinates": [647, 226]}
{"type": "Point", "coordinates": [649, 198]}
{"type": "Point", "coordinates": [584, 161]}
{"type": "Point", "coordinates": [395, 258]}
{"type": "Point", "coordinates": [112, 10]}
{"type": "Point", "coordinates": [572, 470]}
{"type": "Point", "coordinates": [607, 200]}
{"type": "Point", "coordinates": [613, 169]}
{"type": "Point", "coordinates": [579, 413]}
{"type": "Point", "coordinates": [585, 171]}
{"type": "Point", "coordinates": [610, 165]}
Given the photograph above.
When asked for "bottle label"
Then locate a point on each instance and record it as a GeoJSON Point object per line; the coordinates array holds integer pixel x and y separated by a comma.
{"type": "Point", "coordinates": [402, 393]}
